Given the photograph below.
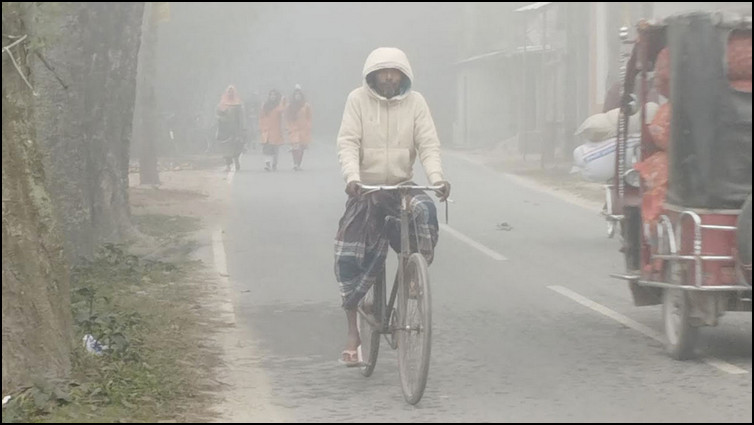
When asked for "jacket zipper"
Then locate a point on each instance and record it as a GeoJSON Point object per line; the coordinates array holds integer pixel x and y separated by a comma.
{"type": "Point", "coordinates": [387, 142]}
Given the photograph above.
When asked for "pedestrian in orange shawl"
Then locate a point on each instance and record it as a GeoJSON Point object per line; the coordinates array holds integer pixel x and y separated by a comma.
{"type": "Point", "coordinates": [299, 125]}
{"type": "Point", "coordinates": [271, 132]}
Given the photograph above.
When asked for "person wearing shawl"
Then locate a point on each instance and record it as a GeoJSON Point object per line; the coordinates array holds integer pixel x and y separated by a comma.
{"type": "Point", "coordinates": [299, 126]}
{"type": "Point", "coordinates": [230, 127]}
{"type": "Point", "coordinates": [270, 129]}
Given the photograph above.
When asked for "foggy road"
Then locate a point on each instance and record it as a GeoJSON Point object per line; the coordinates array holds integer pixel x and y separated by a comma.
{"type": "Point", "coordinates": [150, 276]}
{"type": "Point", "coordinates": [527, 323]}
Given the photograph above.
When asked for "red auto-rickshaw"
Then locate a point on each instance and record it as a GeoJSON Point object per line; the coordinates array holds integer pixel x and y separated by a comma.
{"type": "Point", "coordinates": [685, 207]}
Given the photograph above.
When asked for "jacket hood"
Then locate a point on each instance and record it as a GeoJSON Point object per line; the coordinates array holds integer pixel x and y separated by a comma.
{"type": "Point", "coordinates": [388, 57]}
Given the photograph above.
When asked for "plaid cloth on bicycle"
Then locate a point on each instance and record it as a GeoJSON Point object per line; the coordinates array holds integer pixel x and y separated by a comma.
{"type": "Point", "coordinates": [364, 234]}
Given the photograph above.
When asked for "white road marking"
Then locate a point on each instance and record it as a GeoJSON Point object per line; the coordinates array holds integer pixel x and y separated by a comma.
{"type": "Point", "coordinates": [221, 265]}
{"type": "Point", "coordinates": [472, 243]}
{"type": "Point", "coordinates": [246, 378]}
{"type": "Point", "coordinates": [657, 336]}
{"type": "Point", "coordinates": [231, 173]}
{"type": "Point", "coordinates": [219, 251]}
{"type": "Point", "coordinates": [724, 366]}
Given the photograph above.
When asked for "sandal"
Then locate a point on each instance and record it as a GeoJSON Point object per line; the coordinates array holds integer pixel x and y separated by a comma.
{"type": "Point", "coordinates": [349, 358]}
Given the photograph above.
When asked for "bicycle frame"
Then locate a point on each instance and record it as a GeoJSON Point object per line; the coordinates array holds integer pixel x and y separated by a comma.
{"type": "Point", "coordinates": [385, 315]}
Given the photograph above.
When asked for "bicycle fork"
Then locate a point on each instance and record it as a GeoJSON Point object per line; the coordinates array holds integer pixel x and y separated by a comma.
{"type": "Point", "coordinates": [386, 317]}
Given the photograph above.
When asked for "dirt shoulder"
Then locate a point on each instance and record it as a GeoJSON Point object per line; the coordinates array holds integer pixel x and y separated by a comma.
{"type": "Point", "coordinates": [194, 190]}
{"type": "Point", "coordinates": [234, 388]}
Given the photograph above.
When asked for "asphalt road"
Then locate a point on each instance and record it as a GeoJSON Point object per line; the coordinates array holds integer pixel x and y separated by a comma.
{"type": "Point", "coordinates": [527, 324]}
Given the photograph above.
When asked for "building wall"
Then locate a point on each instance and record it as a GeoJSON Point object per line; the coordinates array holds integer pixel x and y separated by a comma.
{"type": "Point", "coordinates": [484, 105]}
{"type": "Point", "coordinates": [498, 100]}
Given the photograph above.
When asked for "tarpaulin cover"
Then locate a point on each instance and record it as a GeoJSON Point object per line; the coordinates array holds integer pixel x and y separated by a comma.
{"type": "Point", "coordinates": [710, 150]}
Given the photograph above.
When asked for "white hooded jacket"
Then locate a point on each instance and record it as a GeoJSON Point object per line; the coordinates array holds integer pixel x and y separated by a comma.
{"type": "Point", "coordinates": [379, 138]}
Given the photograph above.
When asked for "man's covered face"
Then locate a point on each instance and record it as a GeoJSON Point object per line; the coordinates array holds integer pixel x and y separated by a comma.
{"type": "Point", "coordinates": [388, 82]}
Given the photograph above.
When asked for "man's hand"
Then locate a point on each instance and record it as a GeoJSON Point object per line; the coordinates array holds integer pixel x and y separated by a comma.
{"type": "Point", "coordinates": [444, 192]}
{"type": "Point", "coordinates": [353, 188]}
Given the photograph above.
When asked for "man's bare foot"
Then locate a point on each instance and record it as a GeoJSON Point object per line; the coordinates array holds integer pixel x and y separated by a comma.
{"type": "Point", "coordinates": [350, 356]}
{"type": "Point", "coordinates": [352, 341]}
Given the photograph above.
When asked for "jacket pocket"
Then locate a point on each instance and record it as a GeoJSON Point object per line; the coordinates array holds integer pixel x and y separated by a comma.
{"type": "Point", "coordinates": [399, 164]}
{"type": "Point", "coordinates": [372, 167]}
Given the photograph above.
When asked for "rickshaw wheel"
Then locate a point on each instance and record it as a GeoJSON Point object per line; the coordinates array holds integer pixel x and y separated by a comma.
{"type": "Point", "coordinates": [680, 334]}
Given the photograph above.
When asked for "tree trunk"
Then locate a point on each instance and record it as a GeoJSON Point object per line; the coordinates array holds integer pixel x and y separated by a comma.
{"type": "Point", "coordinates": [37, 324]}
{"type": "Point", "coordinates": [85, 71]}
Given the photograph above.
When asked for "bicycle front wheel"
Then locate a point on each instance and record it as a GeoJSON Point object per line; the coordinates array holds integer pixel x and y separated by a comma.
{"type": "Point", "coordinates": [414, 328]}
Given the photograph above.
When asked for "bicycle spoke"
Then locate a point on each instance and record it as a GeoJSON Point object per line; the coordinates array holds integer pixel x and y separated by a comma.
{"type": "Point", "coordinates": [414, 329]}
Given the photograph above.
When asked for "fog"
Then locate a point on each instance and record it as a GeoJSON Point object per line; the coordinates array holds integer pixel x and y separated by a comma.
{"type": "Point", "coordinates": [467, 60]}
{"type": "Point", "coordinates": [321, 46]}
{"type": "Point", "coordinates": [230, 260]}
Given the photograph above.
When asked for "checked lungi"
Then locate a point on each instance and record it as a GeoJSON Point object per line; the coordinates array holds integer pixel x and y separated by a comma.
{"type": "Point", "coordinates": [364, 235]}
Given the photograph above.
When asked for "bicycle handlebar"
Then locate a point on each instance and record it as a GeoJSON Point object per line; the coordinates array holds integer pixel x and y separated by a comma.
{"type": "Point", "coordinates": [399, 187]}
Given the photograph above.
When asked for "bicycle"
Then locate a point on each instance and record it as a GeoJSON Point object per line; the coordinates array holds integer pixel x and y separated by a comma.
{"type": "Point", "coordinates": [402, 330]}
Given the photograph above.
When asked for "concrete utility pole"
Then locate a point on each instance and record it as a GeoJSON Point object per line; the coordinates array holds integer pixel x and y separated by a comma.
{"type": "Point", "coordinates": [145, 111]}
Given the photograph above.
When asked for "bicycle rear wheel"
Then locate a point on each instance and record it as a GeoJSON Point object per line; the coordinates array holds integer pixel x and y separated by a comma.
{"type": "Point", "coordinates": [415, 328]}
{"type": "Point", "coordinates": [369, 335]}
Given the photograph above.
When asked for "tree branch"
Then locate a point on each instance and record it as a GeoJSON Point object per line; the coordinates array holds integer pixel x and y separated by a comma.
{"type": "Point", "coordinates": [51, 68]}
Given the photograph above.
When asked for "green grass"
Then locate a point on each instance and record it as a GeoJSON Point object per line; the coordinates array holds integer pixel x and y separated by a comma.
{"type": "Point", "coordinates": [159, 225]}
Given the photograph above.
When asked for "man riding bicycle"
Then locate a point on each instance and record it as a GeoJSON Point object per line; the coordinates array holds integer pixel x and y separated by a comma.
{"type": "Point", "coordinates": [385, 125]}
